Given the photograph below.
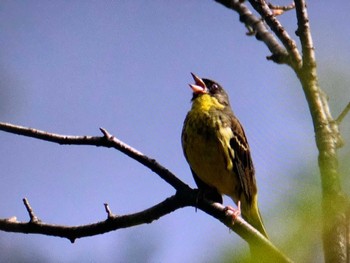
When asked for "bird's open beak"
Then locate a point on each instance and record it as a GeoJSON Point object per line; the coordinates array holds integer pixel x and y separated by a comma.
{"type": "Point", "coordinates": [199, 86]}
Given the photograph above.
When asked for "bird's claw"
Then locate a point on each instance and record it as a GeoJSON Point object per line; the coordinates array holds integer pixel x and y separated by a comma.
{"type": "Point", "coordinates": [236, 212]}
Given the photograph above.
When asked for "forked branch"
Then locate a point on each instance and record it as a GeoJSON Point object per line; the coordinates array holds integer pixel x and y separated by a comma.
{"type": "Point", "coordinates": [185, 196]}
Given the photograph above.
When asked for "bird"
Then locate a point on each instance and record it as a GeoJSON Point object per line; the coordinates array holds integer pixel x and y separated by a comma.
{"type": "Point", "coordinates": [216, 148]}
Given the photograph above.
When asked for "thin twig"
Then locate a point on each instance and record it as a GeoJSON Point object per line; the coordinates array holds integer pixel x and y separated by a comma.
{"type": "Point", "coordinates": [32, 216]}
{"type": "Point", "coordinates": [343, 114]}
{"type": "Point", "coordinates": [108, 211]}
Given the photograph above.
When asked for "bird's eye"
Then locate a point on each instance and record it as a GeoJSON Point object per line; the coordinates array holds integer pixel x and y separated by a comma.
{"type": "Point", "coordinates": [214, 88]}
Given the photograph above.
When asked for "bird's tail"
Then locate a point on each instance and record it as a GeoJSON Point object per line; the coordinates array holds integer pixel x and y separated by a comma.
{"type": "Point", "coordinates": [253, 217]}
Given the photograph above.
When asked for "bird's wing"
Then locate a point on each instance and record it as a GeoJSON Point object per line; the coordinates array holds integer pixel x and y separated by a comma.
{"type": "Point", "coordinates": [242, 161]}
{"type": "Point", "coordinates": [209, 192]}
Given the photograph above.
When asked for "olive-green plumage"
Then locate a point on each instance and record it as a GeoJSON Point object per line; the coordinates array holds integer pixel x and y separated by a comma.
{"type": "Point", "coordinates": [216, 148]}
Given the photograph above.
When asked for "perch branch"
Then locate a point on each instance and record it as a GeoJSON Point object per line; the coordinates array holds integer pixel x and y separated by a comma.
{"type": "Point", "coordinates": [243, 229]}
{"type": "Point", "coordinates": [107, 140]}
{"type": "Point", "coordinates": [185, 196]}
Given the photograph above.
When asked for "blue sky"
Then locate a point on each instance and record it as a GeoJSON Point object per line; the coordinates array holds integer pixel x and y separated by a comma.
{"type": "Point", "coordinates": [71, 67]}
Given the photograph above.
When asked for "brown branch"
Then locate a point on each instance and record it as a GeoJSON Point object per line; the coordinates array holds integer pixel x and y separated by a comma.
{"type": "Point", "coordinates": [257, 26]}
{"type": "Point", "coordinates": [244, 230]}
{"type": "Point", "coordinates": [185, 196]}
{"type": "Point", "coordinates": [188, 197]}
{"type": "Point", "coordinates": [113, 222]}
{"type": "Point", "coordinates": [107, 140]}
{"type": "Point", "coordinates": [328, 140]}
{"type": "Point", "coordinates": [304, 34]}
{"type": "Point", "coordinates": [328, 137]}
{"type": "Point", "coordinates": [263, 9]}
{"type": "Point", "coordinates": [308, 73]}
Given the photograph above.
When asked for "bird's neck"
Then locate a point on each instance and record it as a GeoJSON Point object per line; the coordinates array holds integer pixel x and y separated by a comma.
{"type": "Point", "coordinates": [206, 102]}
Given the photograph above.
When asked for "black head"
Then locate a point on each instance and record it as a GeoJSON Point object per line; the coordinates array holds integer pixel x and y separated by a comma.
{"type": "Point", "coordinates": [207, 86]}
{"type": "Point", "coordinates": [215, 90]}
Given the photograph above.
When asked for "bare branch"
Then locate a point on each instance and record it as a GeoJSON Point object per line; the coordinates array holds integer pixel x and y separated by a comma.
{"type": "Point", "coordinates": [183, 198]}
{"type": "Point", "coordinates": [317, 99]}
{"type": "Point", "coordinates": [328, 139]}
{"type": "Point", "coordinates": [244, 230]}
{"type": "Point", "coordinates": [263, 9]}
{"type": "Point", "coordinates": [257, 26]}
{"type": "Point", "coordinates": [107, 140]}
{"type": "Point", "coordinates": [304, 33]}
{"type": "Point", "coordinates": [111, 223]}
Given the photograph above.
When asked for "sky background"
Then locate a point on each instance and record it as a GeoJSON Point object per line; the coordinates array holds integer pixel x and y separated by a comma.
{"type": "Point", "coordinates": [70, 67]}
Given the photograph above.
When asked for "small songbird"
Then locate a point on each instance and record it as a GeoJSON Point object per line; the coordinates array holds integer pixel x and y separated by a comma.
{"type": "Point", "coordinates": [216, 148]}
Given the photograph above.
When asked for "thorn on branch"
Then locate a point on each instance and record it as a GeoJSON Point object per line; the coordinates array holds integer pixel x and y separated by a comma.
{"type": "Point", "coordinates": [343, 114]}
{"type": "Point", "coordinates": [108, 211]}
{"type": "Point", "coordinates": [105, 133]}
{"type": "Point", "coordinates": [32, 216]}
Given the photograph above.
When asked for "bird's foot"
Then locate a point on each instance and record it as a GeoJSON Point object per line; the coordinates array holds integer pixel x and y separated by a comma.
{"type": "Point", "coordinates": [236, 212]}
